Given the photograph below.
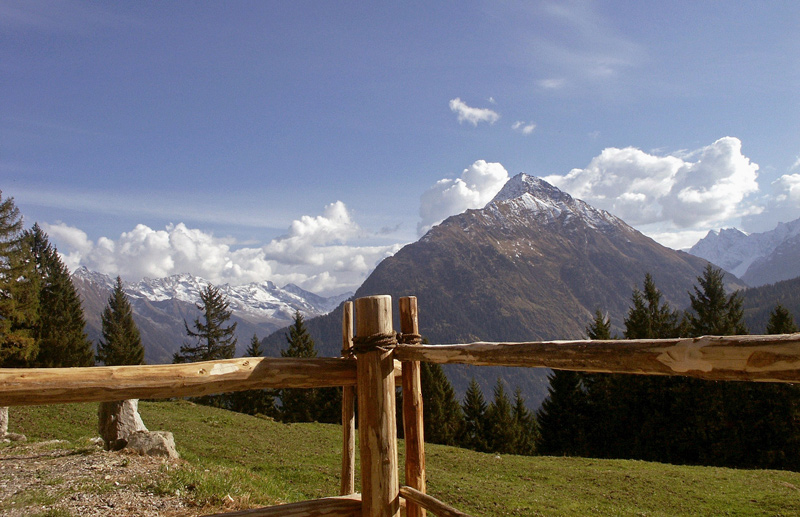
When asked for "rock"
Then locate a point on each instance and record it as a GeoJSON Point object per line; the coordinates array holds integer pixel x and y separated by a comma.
{"type": "Point", "coordinates": [117, 420]}
{"type": "Point", "coordinates": [153, 443]}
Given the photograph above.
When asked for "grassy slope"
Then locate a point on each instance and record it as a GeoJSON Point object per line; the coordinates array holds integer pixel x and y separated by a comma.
{"type": "Point", "coordinates": [263, 462]}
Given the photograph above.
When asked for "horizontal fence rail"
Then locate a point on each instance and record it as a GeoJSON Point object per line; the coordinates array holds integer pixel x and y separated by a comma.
{"type": "Point", "coordinates": [37, 386]}
{"type": "Point", "coordinates": [774, 358]}
{"type": "Point", "coordinates": [342, 506]}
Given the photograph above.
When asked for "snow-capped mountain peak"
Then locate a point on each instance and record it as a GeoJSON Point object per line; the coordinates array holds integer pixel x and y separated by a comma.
{"type": "Point", "coordinates": [532, 196]}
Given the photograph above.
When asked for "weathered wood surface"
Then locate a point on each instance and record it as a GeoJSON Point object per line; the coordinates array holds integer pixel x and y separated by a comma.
{"type": "Point", "coordinates": [773, 358]}
{"type": "Point", "coordinates": [348, 485]}
{"type": "Point", "coordinates": [33, 386]}
{"type": "Point", "coordinates": [436, 507]}
{"type": "Point", "coordinates": [342, 506]}
{"type": "Point", "coordinates": [377, 426]}
{"type": "Point", "coordinates": [413, 423]}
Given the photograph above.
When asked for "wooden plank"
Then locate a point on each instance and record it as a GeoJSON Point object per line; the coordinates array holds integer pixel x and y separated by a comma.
{"type": "Point", "coordinates": [773, 358]}
{"type": "Point", "coordinates": [348, 485]}
{"type": "Point", "coordinates": [342, 506]}
{"type": "Point", "coordinates": [436, 507]}
{"type": "Point", "coordinates": [377, 427]}
{"type": "Point", "coordinates": [413, 424]}
{"type": "Point", "coordinates": [34, 386]}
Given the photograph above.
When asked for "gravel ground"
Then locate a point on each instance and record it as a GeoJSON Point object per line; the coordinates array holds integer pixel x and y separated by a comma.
{"type": "Point", "coordinates": [55, 479]}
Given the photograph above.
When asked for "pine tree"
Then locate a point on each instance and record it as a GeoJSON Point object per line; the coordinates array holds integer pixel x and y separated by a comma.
{"type": "Point", "coordinates": [299, 405]}
{"type": "Point", "coordinates": [441, 410]}
{"type": "Point", "coordinates": [715, 313]}
{"type": "Point", "coordinates": [781, 321]}
{"type": "Point", "coordinates": [121, 343]}
{"type": "Point", "coordinates": [525, 426]}
{"type": "Point", "coordinates": [214, 340]}
{"type": "Point", "coordinates": [60, 332]}
{"type": "Point", "coordinates": [254, 402]}
{"type": "Point", "coordinates": [649, 318]}
{"type": "Point", "coordinates": [19, 291]}
{"type": "Point", "coordinates": [502, 433]}
{"type": "Point", "coordinates": [473, 432]}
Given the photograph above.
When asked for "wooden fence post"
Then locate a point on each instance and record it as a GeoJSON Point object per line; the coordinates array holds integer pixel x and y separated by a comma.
{"type": "Point", "coordinates": [413, 423]}
{"type": "Point", "coordinates": [348, 410]}
{"type": "Point", "coordinates": [377, 425]}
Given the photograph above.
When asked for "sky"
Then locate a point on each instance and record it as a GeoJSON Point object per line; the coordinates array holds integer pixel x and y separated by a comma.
{"type": "Point", "coordinates": [303, 142]}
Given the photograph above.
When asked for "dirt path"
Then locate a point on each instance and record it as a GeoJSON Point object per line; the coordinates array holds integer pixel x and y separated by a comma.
{"type": "Point", "coordinates": [55, 479]}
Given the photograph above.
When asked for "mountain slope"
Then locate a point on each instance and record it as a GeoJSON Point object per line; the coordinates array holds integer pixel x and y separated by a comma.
{"type": "Point", "coordinates": [758, 258]}
{"type": "Point", "coordinates": [533, 264]}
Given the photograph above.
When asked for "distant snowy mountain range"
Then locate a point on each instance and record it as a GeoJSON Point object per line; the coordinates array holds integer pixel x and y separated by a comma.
{"type": "Point", "coordinates": [757, 258]}
{"type": "Point", "coordinates": [161, 305]}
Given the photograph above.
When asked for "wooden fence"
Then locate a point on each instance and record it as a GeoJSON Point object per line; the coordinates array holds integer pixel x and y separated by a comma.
{"type": "Point", "coordinates": [371, 367]}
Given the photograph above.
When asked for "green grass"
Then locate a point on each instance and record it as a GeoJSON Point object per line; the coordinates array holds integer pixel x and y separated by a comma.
{"type": "Point", "coordinates": [260, 462]}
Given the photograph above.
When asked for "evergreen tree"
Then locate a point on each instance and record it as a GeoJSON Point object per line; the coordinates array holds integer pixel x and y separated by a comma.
{"type": "Point", "coordinates": [781, 321]}
{"type": "Point", "coordinates": [214, 340]}
{"type": "Point", "coordinates": [60, 332]}
{"type": "Point", "coordinates": [649, 318]}
{"type": "Point", "coordinates": [121, 343]}
{"type": "Point", "coordinates": [473, 432]}
{"type": "Point", "coordinates": [254, 402]}
{"type": "Point", "coordinates": [715, 313]}
{"type": "Point", "coordinates": [524, 425]}
{"type": "Point", "coordinates": [19, 290]}
{"type": "Point", "coordinates": [502, 433]}
{"type": "Point", "coordinates": [563, 417]}
{"type": "Point", "coordinates": [299, 405]}
{"type": "Point", "coordinates": [441, 410]}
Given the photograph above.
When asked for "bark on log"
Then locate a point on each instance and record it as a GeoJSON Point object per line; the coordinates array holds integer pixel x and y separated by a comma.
{"type": "Point", "coordinates": [342, 506]}
{"type": "Point", "coordinates": [348, 410]}
{"type": "Point", "coordinates": [413, 423]}
{"type": "Point", "coordinates": [436, 507]}
{"type": "Point", "coordinates": [773, 358]}
{"type": "Point", "coordinates": [377, 425]}
{"type": "Point", "coordinates": [34, 386]}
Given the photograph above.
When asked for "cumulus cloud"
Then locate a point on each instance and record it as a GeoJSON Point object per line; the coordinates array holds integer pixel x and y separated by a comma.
{"type": "Point", "coordinates": [788, 186]}
{"type": "Point", "coordinates": [478, 184]}
{"type": "Point", "coordinates": [472, 115]}
{"type": "Point", "coordinates": [316, 253]}
{"type": "Point", "coordinates": [523, 127]}
{"type": "Point", "coordinates": [699, 188]}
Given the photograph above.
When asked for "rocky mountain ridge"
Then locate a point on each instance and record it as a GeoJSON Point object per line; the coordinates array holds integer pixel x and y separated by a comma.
{"type": "Point", "coordinates": [757, 258]}
{"type": "Point", "coordinates": [161, 305]}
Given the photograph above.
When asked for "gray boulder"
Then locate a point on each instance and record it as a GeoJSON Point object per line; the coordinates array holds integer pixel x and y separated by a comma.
{"type": "Point", "coordinates": [153, 443]}
{"type": "Point", "coordinates": [117, 420]}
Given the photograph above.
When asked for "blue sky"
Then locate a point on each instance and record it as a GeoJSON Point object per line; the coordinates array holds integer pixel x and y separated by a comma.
{"type": "Point", "coordinates": [304, 141]}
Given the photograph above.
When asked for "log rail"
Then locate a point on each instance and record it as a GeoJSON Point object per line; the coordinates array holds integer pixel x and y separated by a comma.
{"type": "Point", "coordinates": [373, 369]}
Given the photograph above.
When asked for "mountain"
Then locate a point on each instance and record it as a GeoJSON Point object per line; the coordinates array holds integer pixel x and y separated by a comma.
{"type": "Point", "coordinates": [757, 258]}
{"type": "Point", "coordinates": [760, 301]}
{"type": "Point", "coordinates": [533, 264]}
{"type": "Point", "coordinates": [161, 306]}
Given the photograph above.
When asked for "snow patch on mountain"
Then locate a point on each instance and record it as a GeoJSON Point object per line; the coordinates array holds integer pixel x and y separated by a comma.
{"type": "Point", "coordinates": [532, 196]}
{"type": "Point", "coordinates": [256, 301]}
{"type": "Point", "coordinates": [736, 251]}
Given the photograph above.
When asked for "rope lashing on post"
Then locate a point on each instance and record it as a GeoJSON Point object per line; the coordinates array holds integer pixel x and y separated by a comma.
{"type": "Point", "coordinates": [368, 343]}
{"type": "Point", "coordinates": [384, 341]}
{"type": "Point", "coordinates": [409, 338]}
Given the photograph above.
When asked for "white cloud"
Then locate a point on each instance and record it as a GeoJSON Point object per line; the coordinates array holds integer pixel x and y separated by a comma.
{"type": "Point", "coordinates": [315, 254]}
{"type": "Point", "coordinates": [472, 115]}
{"type": "Point", "coordinates": [523, 127]}
{"type": "Point", "coordinates": [552, 84]}
{"type": "Point", "coordinates": [789, 188]}
{"type": "Point", "coordinates": [699, 189]}
{"type": "Point", "coordinates": [478, 184]}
